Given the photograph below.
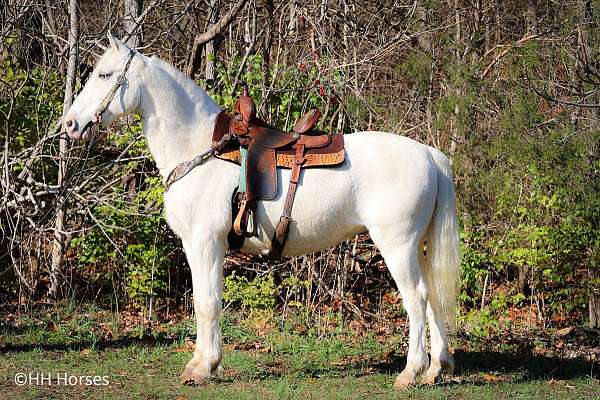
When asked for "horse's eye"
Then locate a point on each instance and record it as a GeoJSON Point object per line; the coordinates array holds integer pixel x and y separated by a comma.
{"type": "Point", "coordinates": [104, 76]}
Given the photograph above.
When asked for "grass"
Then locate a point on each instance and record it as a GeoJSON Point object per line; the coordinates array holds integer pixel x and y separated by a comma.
{"type": "Point", "coordinates": [269, 363]}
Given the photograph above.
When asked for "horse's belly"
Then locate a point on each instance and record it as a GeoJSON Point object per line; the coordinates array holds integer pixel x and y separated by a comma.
{"type": "Point", "coordinates": [322, 216]}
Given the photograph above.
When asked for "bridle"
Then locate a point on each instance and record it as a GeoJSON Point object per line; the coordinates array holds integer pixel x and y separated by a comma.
{"type": "Point", "coordinates": [97, 118]}
{"type": "Point", "coordinates": [184, 168]}
{"type": "Point", "coordinates": [113, 90]}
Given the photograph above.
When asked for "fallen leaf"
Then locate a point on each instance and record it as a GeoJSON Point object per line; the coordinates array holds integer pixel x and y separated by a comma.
{"type": "Point", "coordinates": [388, 353]}
{"type": "Point", "coordinates": [53, 327]}
{"type": "Point", "coordinates": [492, 378]}
{"type": "Point", "coordinates": [266, 349]}
{"type": "Point", "coordinates": [231, 346]}
{"type": "Point", "coordinates": [188, 346]}
{"type": "Point", "coordinates": [391, 298]}
{"type": "Point", "coordinates": [564, 331]}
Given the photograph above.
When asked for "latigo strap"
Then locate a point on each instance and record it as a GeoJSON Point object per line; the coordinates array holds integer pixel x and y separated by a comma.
{"type": "Point", "coordinates": [283, 227]}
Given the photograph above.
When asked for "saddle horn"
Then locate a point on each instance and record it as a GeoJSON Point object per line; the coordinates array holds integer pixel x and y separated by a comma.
{"type": "Point", "coordinates": [245, 106]}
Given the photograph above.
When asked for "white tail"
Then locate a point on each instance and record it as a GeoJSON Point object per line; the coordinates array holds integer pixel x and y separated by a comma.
{"type": "Point", "coordinates": [443, 253]}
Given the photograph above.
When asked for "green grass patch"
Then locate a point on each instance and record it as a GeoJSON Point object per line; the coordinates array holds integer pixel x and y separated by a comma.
{"type": "Point", "coordinates": [269, 363]}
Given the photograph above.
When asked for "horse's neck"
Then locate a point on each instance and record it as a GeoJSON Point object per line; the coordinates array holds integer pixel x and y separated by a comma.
{"type": "Point", "coordinates": [178, 118]}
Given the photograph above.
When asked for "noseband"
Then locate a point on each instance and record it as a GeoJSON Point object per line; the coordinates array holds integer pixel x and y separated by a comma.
{"type": "Point", "coordinates": [97, 118]}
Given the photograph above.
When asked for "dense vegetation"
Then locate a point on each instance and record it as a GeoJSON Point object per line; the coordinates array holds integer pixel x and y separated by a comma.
{"type": "Point", "coordinates": [507, 88]}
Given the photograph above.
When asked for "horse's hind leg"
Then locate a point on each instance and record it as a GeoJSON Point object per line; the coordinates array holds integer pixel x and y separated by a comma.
{"type": "Point", "coordinates": [441, 359]}
{"type": "Point", "coordinates": [402, 261]}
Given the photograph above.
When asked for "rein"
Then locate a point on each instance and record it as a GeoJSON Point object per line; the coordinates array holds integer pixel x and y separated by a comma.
{"type": "Point", "coordinates": [186, 167]}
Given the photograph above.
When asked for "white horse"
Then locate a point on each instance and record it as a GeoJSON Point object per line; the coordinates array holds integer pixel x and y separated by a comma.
{"type": "Point", "coordinates": [398, 190]}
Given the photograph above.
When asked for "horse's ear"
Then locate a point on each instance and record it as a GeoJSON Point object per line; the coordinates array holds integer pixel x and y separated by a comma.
{"type": "Point", "coordinates": [114, 42]}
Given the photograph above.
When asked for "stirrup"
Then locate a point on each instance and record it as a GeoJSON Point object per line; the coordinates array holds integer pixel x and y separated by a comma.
{"type": "Point", "coordinates": [244, 223]}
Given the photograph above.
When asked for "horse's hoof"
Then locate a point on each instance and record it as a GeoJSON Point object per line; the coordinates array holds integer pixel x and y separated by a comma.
{"type": "Point", "coordinates": [199, 372]}
{"type": "Point", "coordinates": [189, 378]}
{"type": "Point", "coordinates": [193, 375]}
{"type": "Point", "coordinates": [430, 379]}
{"type": "Point", "coordinates": [403, 381]}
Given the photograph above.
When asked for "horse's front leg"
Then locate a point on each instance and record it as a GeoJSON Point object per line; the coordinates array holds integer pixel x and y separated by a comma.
{"type": "Point", "coordinates": [205, 257]}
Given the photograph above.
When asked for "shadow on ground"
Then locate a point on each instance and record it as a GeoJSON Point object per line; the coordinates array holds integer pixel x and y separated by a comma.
{"type": "Point", "coordinates": [86, 344]}
{"type": "Point", "coordinates": [521, 363]}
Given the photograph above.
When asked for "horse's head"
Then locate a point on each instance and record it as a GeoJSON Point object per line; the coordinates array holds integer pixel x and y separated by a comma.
{"type": "Point", "coordinates": [103, 98]}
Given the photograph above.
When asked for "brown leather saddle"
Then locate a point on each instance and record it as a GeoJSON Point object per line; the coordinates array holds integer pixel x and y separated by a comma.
{"type": "Point", "coordinates": [259, 150]}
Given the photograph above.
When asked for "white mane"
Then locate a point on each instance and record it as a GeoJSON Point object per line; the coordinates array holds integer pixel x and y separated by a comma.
{"type": "Point", "coordinates": [195, 92]}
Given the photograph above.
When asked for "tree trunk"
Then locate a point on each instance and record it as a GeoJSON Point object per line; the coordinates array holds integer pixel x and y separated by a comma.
{"type": "Point", "coordinates": [212, 46]}
{"type": "Point", "coordinates": [425, 44]}
{"type": "Point", "coordinates": [522, 280]}
{"type": "Point", "coordinates": [266, 49]}
{"type": "Point", "coordinates": [59, 224]}
{"type": "Point", "coordinates": [454, 130]}
{"type": "Point", "coordinates": [200, 40]}
{"type": "Point", "coordinates": [531, 16]}
{"type": "Point", "coordinates": [133, 10]}
{"type": "Point", "coordinates": [594, 298]}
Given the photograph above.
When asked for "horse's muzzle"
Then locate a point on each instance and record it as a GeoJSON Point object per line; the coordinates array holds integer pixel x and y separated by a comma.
{"type": "Point", "coordinates": [71, 127]}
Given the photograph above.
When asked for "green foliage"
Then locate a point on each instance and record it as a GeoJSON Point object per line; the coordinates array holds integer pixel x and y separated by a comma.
{"type": "Point", "coordinates": [545, 205]}
{"type": "Point", "coordinates": [138, 247]}
{"type": "Point", "coordinates": [256, 294]}
{"type": "Point", "coordinates": [232, 331]}
{"type": "Point", "coordinates": [458, 106]}
{"type": "Point", "coordinates": [304, 89]}
{"type": "Point", "coordinates": [419, 68]}
{"type": "Point", "coordinates": [521, 114]}
{"type": "Point", "coordinates": [482, 324]}
{"type": "Point", "coordinates": [475, 265]}
{"type": "Point", "coordinates": [31, 100]}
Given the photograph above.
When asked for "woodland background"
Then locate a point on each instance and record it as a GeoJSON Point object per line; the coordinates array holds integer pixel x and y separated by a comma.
{"type": "Point", "coordinates": [508, 89]}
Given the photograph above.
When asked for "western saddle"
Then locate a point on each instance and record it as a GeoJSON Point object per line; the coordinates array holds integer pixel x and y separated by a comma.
{"type": "Point", "coordinates": [259, 150]}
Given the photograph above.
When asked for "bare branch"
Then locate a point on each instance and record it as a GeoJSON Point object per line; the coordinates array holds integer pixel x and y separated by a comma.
{"type": "Point", "coordinates": [211, 33]}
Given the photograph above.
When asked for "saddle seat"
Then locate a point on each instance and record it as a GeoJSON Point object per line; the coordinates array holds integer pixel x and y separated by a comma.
{"type": "Point", "coordinates": [262, 148]}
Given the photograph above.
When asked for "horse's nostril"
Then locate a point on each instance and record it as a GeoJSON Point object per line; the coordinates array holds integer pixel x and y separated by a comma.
{"type": "Point", "coordinates": [69, 123]}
